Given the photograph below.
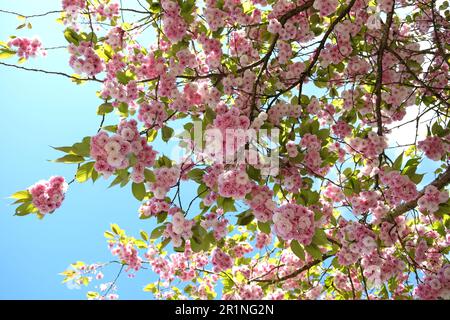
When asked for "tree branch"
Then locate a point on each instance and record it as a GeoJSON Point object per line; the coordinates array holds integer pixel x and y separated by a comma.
{"type": "Point", "coordinates": [402, 61]}
{"type": "Point", "coordinates": [60, 11]}
{"type": "Point", "coordinates": [315, 58]}
{"type": "Point", "coordinates": [436, 32]}
{"type": "Point", "coordinates": [50, 72]}
{"type": "Point", "coordinates": [296, 272]}
{"type": "Point", "coordinates": [31, 16]}
{"type": "Point", "coordinates": [440, 182]}
{"type": "Point", "coordinates": [379, 81]}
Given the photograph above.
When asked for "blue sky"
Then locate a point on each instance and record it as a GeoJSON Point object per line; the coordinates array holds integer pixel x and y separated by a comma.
{"type": "Point", "coordinates": [40, 110]}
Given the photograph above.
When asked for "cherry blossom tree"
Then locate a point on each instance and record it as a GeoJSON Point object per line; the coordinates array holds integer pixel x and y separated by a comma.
{"type": "Point", "coordinates": [316, 133]}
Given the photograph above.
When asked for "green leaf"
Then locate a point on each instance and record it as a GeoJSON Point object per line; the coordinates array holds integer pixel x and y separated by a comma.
{"type": "Point", "coordinates": [314, 127]}
{"type": "Point", "coordinates": [84, 172]}
{"type": "Point", "coordinates": [157, 232]}
{"type": "Point", "coordinates": [397, 165]}
{"type": "Point", "coordinates": [209, 115]}
{"type": "Point", "coordinates": [199, 244]}
{"type": "Point", "coordinates": [6, 53]}
{"type": "Point", "coordinates": [116, 181]}
{"type": "Point", "coordinates": [320, 237]}
{"type": "Point", "coordinates": [63, 149]}
{"type": "Point", "coordinates": [310, 197]}
{"type": "Point", "coordinates": [149, 175]}
{"type": "Point", "coordinates": [70, 158]}
{"type": "Point", "coordinates": [71, 36]}
{"type": "Point", "coordinates": [227, 205]}
{"type": "Point", "coordinates": [202, 190]}
{"type": "Point", "coordinates": [154, 7]}
{"type": "Point", "coordinates": [196, 175]}
{"type": "Point", "coordinates": [21, 195]}
{"type": "Point", "coordinates": [253, 173]}
{"type": "Point", "coordinates": [92, 295]}
{"type": "Point", "coordinates": [167, 133]}
{"type": "Point", "coordinates": [151, 135]}
{"type": "Point", "coordinates": [314, 251]}
{"type": "Point", "coordinates": [144, 235]}
{"type": "Point", "coordinates": [164, 161]}
{"type": "Point", "coordinates": [25, 208]}
{"type": "Point", "coordinates": [162, 216]}
{"type": "Point", "coordinates": [437, 130]}
{"type": "Point", "coordinates": [108, 235]}
{"type": "Point", "coordinates": [116, 229]}
{"type": "Point", "coordinates": [164, 243]}
{"type": "Point", "coordinates": [124, 76]}
{"type": "Point", "coordinates": [112, 128]}
{"type": "Point", "coordinates": [105, 108]}
{"type": "Point", "coordinates": [335, 262]}
{"type": "Point", "coordinates": [245, 218]}
{"type": "Point", "coordinates": [138, 190]}
{"type": "Point", "coordinates": [264, 227]}
{"type": "Point", "coordinates": [187, 6]}
{"type": "Point", "coordinates": [323, 134]}
{"type": "Point", "coordinates": [297, 249]}
{"type": "Point", "coordinates": [140, 244]}
{"type": "Point", "coordinates": [416, 177]}
{"type": "Point", "coordinates": [83, 148]}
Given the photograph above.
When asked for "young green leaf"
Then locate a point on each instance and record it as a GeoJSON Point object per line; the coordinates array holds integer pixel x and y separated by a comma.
{"type": "Point", "coordinates": [297, 249]}
{"type": "Point", "coordinates": [138, 190]}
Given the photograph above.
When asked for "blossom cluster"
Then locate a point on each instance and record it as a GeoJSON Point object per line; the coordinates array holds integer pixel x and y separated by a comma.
{"type": "Point", "coordinates": [379, 268]}
{"type": "Point", "coordinates": [27, 48]}
{"type": "Point", "coordinates": [47, 196]}
{"type": "Point", "coordinates": [127, 253]}
{"type": "Point", "coordinates": [165, 179]}
{"type": "Point", "coordinates": [152, 114]}
{"type": "Point", "coordinates": [431, 199]}
{"type": "Point", "coordinates": [401, 188]}
{"type": "Point", "coordinates": [435, 285]}
{"type": "Point", "coordinates": [110, 10]}
{"type": "Point", "coordinates": [217, 222]}
{"type": "Point", "coordinates": [221, 261]}
{"type": "Point", "coordinates": [326, 7]}
{"type": "Point", "coordinates": [230, 123]}
{"type": "Point", "coordinates": [180, 228]}
{"type": "Point", "coordinates": [69, 4]}
{"type": "Point", "coordinates": [261, 202]}
{"type": "Point", "coordinates": [153, 207]}
{"type": "Point", "coordinates": [173, 24]}
{"type": "Point", "coordinates": [234, 184]}
{"type": "Point", "coordinates": [294, 222]}
{"type": "Point", "coordinates": [281, 110]}
{"type": "Point", "coordinates": [370, 147]}
{"type": "Point", "coordinates": [434, 147]}
{"type": "Point", "coordinates": [115, 152]}
{"type": "Point", "coordinates": [83, 59]}
{"type": "Point", "coordinates": [357, 241]}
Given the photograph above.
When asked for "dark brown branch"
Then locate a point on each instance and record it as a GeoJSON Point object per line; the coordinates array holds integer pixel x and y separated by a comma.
{"type": "Point", "coordinates": [60, 11]}
{"type": "Point", "coordinates": [114, 281]}
{"type": "Point", "coordinates": [50, 72]}
{"type": "Point", "coordinates": [296, 272]}
{"type": "Point", "coordinates": [440, 182]}
{"type": "Point", "coordinates": [31, 16]}
{"type": "Point", "coordinates": [436, 32]}
{"type": "Point", "coordinates": [412, 73]}
{"type": "Point", "coordinates": [265, 59]}
{"type": "Point", "coordinates": [379, 81]}
{"type": "Point", "coordinates": [315, 58]}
